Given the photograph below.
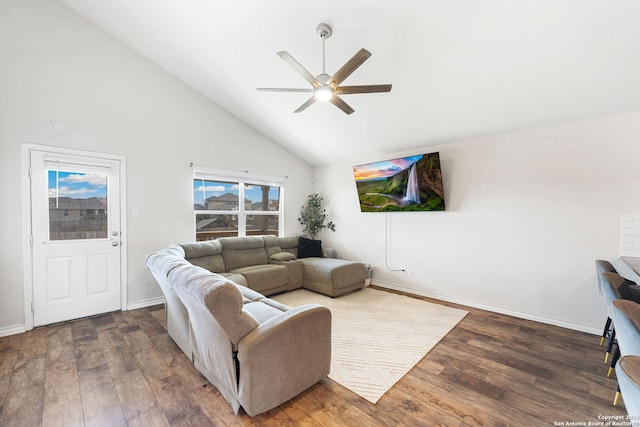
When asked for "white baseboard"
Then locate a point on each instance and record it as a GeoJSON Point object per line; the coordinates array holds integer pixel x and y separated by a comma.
{"type": "Point", "coordinates": [12, 330]}
{"type": "Point", "coordinates": [501, 310]}
{"type": "Point", "coordinates": [145, 303]}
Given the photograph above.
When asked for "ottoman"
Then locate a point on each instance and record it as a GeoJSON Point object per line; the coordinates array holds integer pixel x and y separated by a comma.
{"type": "Point", "coordinates": [333, 277]}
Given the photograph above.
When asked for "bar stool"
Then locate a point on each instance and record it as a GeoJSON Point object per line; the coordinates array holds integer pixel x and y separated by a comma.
{"type": "Point", "coordinates": [611, 282]}
{"type": "Point", "coordinates": [626, 318]}
{"type": "Point", "coordinates": [628, 373]}
{"type": "Point", "coordinates": [627, 290]}
{"type": "Point", "coordinates": [603, 266]}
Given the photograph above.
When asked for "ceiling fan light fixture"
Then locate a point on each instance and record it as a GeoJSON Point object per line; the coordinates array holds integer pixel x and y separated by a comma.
{"type": "Point", "coordinates": [323, 93]}
{"type": "Point", "coordinates": [326, 87]}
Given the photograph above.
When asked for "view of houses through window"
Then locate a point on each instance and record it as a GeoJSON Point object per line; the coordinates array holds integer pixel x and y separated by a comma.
{"type": "Point", "coordinates": [235, 208]}
{"type": "Point", "coordinates": [77, 205]}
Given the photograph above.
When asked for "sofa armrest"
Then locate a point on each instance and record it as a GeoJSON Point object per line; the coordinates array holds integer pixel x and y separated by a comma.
{"type": "Point", "coordinates": [283, 357]}
{"type": "Point", "coordinates": [296, 274]}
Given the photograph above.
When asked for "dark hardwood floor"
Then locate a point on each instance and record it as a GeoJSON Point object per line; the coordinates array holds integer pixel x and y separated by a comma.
{"type": "Point", "coordinates": [123, 369]}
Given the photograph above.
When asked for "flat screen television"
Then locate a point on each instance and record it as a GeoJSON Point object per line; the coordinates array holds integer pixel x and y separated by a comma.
{"type": "Point", "coordinates": [412, 183]}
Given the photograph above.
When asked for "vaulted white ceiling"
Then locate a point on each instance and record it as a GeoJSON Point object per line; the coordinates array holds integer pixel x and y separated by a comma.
{"type": "Point", "coordinates": [459, 68]}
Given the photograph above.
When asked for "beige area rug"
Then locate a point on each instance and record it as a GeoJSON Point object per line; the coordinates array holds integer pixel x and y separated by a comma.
{"type": "Point", "coordinates": [378, 336]}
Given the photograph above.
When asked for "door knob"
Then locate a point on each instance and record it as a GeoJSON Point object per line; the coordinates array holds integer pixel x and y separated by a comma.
{"type": "Point", "coordinates": [114, 243]}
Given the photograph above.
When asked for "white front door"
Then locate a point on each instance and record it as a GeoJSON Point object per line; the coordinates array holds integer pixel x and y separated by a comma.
{"type": "Point", "coordinates": [76, 242]}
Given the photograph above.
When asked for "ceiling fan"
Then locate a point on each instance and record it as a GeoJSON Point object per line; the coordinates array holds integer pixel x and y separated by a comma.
{"type": "Point", "coordinates": [325, 87]}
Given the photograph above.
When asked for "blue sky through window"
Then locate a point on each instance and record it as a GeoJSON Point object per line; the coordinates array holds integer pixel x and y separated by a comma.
{"type": "Point", "coordinates": [77, 185]}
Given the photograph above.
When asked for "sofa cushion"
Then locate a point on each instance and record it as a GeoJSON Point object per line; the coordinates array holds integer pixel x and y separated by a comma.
{"type": "Point", "coordinates": [239, 252]}
{"type": "Point", "coordinates": [309, 248]}
{"type": "Point", "coordinates": [207, 255]}
{"type": "Point", "coordinates": [249, 295]}
{"type": "Point", "coordinates": [271, 245]}
{"type": "Point", "coordinates": [222, 297]}
{"type": "Point", "coordinates": [289, 244]}
{"type": "Point", "coordinates": [235, 278]}
{"type": "Point", "coordinates": [261, 311]}
{"type": "Point", "coordinates": [266, 279]}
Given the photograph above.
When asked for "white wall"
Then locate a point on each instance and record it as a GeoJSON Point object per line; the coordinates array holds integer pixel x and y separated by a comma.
{"type": "Point", "coordinates": [527, 214]}
{"type": "Point", "coordinates": [66, 83]}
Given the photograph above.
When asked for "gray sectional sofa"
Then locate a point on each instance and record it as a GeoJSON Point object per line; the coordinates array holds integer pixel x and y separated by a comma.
{"type": "Point", "coordinates": [257, 352]}
{"type": "Point", "coordinates": [270, 264]}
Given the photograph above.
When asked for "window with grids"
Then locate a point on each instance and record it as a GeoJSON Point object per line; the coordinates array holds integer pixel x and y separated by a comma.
{"type": "Point", "coordinates": [235, 204]}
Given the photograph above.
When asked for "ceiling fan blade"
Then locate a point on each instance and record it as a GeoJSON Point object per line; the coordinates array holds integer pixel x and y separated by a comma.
{"type": "Point", "coordinates": [341, 90]}
{"type": "Point", "coordinates": [277, 89]}
{"type": "Point", "coordinates": [299, 68]}
{"type": "Point", "coordinates": [306, 104]}
{"type": "Point", "coordinates": [338, 102]}
{"type": "Point", "coordinates": [348, 68]}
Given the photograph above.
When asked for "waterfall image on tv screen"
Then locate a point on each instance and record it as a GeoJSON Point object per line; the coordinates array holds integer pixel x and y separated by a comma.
{"type": "Point", "coordinates": [412, 183]}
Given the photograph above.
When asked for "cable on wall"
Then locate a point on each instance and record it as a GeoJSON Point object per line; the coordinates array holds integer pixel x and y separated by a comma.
{"type": "Point", "coordinates": [386, 233]}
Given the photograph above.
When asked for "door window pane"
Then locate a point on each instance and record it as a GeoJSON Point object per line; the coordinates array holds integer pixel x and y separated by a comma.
{"type": "Point", "coordinates": [77, 205]}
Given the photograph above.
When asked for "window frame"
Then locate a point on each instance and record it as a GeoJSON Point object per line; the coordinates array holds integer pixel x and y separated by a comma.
{"type": "Point", "coordinates": [242, 179]}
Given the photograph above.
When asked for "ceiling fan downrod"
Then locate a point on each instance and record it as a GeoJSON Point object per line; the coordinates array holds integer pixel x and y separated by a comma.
{"type": "Point", "coordinates": [324, 31]}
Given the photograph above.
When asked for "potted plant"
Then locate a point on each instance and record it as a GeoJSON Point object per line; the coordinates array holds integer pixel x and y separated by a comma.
{"type": "Point", "coordinates": [314, 217]}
